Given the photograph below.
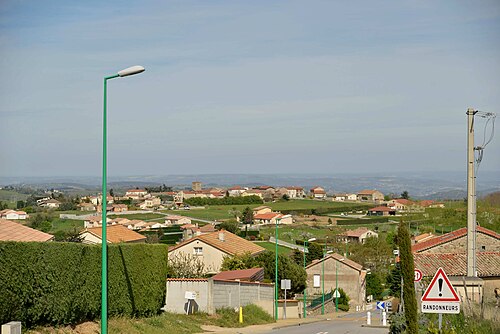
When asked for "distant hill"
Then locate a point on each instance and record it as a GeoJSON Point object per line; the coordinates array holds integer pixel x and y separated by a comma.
{"type": "Point", "coordinates": [493, 199]}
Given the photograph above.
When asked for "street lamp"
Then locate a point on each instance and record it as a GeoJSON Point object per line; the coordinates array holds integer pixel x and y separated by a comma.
{"type": "Point", "coordinates": [104, 257]}
{"type": "Point", "coordinates": [305, 248]}
{"type": "Point", "coordinates": [276, 272]}
{"type": "Point", "coordinates": [337, 284]}
{"type": "Point", "coordinates": [323, 279]}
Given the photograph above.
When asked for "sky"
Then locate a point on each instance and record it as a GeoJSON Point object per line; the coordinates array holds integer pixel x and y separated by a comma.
{"type": "Point", "coordinates": [246, 86]}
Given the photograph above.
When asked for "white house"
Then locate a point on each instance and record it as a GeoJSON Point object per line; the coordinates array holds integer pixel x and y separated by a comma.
{"type": "Point", "coordinates": [13, 215]}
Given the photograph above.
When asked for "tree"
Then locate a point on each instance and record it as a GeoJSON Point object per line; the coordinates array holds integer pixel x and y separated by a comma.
{"type": "Point", "coordinates": [315, 251]}
{"type": "Point", "coordinates": [230, 226]}
{"type": "Point", "coordinates": [238, 262]}
{"type": "Point", "coordinates": [285, 197]}
{"type": "Point", "coordinates": [405, 195]}
{"type": "Point", "coordinates": [374, 286]}
{"type": "Point", "coordinates": [247, 216]}
{"type": "Point", "coordinates": [407, 270]}
{"type": "Point", "coordinates": [111, 193]}
{"type": "Point", "coordinates": [394, 280]}
{"type": "Point", "coordinates": [184, 265]}
{"type": "Point", "coordinates": [20, 204]}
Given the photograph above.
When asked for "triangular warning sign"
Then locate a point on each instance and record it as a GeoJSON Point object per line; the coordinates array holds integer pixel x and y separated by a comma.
{"type": "Point", "coordinates": [440, 289]}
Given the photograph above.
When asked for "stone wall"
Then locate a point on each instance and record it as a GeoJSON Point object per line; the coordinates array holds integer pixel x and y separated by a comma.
{"type": "Point", "coordinates": [484, 243]}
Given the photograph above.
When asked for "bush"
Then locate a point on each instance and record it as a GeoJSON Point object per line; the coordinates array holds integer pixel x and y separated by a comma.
{"type": "Point", "coordinates": [252, 315]}
{"type": "Point", "coordinates": [60, 283]}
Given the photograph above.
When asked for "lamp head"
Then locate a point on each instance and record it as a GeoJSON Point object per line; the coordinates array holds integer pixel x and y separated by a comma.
{"type": "Point", "coordinates": [131, 71]}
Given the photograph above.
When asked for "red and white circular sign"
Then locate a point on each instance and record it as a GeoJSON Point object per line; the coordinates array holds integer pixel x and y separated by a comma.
{"type": "Point", "coordinates": [418, 275]}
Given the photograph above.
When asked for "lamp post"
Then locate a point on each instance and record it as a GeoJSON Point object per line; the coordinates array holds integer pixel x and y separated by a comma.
{"type": "Point", "coordinates": [104, 257]}
{"type": "Point", "coordinates": [337, 284]}
{"type": "Point", "coordinates": [323, 280]}
{"type": "Point", "coordinates": [305, 247]}
{"type": "Point", "coordinates": [276, 272]}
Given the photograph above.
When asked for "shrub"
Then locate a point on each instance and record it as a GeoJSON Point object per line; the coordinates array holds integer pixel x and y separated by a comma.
{"type": "Point", "coordinates": [60, 283]}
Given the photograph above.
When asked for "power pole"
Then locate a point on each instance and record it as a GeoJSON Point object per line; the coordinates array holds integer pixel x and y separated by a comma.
{"type": "Point", "coordinates": [471, 197]}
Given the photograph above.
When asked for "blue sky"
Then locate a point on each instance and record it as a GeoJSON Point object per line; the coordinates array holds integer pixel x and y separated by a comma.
{"type": "Point", "coordinates": [246, 86]}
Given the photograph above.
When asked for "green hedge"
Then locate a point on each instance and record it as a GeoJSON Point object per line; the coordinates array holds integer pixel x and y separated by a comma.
{"type": "Point", "coordinates": [60, 283]}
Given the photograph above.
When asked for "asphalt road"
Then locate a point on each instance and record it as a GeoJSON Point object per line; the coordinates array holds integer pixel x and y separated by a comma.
{"type": "Point", "coordinates": [348, 324]}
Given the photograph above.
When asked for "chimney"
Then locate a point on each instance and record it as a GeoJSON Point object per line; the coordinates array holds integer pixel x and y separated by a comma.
{"type": "Point", "coordinates": [221, 235]}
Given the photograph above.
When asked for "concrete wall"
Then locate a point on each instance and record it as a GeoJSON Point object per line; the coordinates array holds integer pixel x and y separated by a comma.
{"type": "Point", "coordinates": [349, 279]}
{"type": "Point", "coordinates": [176, 289]}
{"type": "Point", "coordinates": [212, 295]}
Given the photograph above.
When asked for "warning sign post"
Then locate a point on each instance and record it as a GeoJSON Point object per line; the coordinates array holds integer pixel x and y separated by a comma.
{"type": "Point", "coordinates": [440, 296]}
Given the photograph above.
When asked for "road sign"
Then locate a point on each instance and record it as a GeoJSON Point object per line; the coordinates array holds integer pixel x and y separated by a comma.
{"type": "Point", "coordinates": [380, 305]}
{"type": "Point", "coordinates": [336, 294]}
{"type": "Point", "coordinates": [190, 295]}
{"type": "Point", "coordinates": [440, 296]}
{"type": "Point", "coordinates": [286, 284]}
{"type": "Point", "coordinates": [418, 275]}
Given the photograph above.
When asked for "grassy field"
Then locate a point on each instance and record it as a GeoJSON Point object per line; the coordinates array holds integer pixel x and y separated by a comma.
{"type": "Point", "coordinates": [167, 323]}
{"type": "Point", "coordinates": [139, 216]}
{"type": "Point", "coordinates": [66, 225]}
{"type": "Point", "coordinates": [272, 247]}
{"type": "Point", "coordinates": [221, 212]}
{"type": "Point", "coordinates": [11, 197]}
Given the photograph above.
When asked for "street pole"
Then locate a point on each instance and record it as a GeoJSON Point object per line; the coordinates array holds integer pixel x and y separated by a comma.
{"type": "Point", "coordinates": [305, 288]}
{"type": "Point", "coordinates": [336, 286]}
{"type": "Point", "coordinates": [104, 253]}
{"type": "Point", "coordinates": [323, 281]}
{"type": "Point", "coordinates": [471, 197]}
{"type": "Point", "coordinates": [276, 274]}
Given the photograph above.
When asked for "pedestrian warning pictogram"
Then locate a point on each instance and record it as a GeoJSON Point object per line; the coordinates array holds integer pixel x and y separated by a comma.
{"type": "Point", "coordinates": [440, 289]}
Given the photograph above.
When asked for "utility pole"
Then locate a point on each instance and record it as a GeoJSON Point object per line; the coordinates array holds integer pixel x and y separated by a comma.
{"type": "Point", "coordinates": [471, 197]}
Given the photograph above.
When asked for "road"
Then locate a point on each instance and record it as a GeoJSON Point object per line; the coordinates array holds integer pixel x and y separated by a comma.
{"type": "Point", "coordinates": [347, 324]}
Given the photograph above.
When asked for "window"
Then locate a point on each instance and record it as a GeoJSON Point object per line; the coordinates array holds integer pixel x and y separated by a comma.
{"type": "Point", "coordinates": [198, 250]}
{"type": "Point", "coordinates": [316, 281]}
{"type": "Point", "coordinates": [483, 248]}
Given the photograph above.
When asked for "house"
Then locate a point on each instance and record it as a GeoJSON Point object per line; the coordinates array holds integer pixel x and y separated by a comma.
{"type": "Point", "coordinates": [236, 191]}
{"type": "Point", "coordinates": [431, 204]}
{"type": "Point", "coordinates": [253, 192]}
{"type": "Point", "coordinates": [404, 205]}
{"type": "Point", "coordinates": [114, 235]}
{"type": "Point", "coordinates": [296, 192]}
{"type": "Point", "coordinates": [338, 272]}
{"type": "Point", "coordinates": [339, 197]}
{"type": "Point", "coordinates": [12, 231]}
{"type": "Point", "coordinates": [211, 248]}
{"type": "Point", "coordinates": [448, 251]}
{"type": "Point", "coordinates": [318, 193]}
{"type": "Point", "coordinates": [177, 220]}
{"type": "Point", "coordinates": [94, 221]}
{"type": "Point", "coordinates": [367, 195]}
{"type": "Point", "coordinates": [119, 207]}
{"type": "Point", "coordinates": [381, 211]}
{"type": "Point", "coordinates": [150, 202]}
{"type": "Point", "coordinates": [136, 193]}
{"type": "Point", "coordinates": [352, 197]}
{"type": "Point", "coordinates": [272, 218]}
{"type": "Point", "coordinates": [97, 200]}
{"type": "Point", "coordinates": [261, 209]}
{"type": "Point", "coordinates": [87, 207]}
{"type": "Point", "coordinates": [13, 215]}
{"type": "Point", "coordinates": [51, 203]}
{"type": "Point", "coordinates": [358, 235]}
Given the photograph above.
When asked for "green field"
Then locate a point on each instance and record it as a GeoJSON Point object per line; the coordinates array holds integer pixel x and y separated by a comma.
{"type": "Point", "coordinates": [66, 225]}
{"type": "Point", "coordinates": [11, 197]}
{"type": "Point", "coordinates": [272, 247]}
{"type": "Point", "coordinates": [139, 216]}
{"type": "Point", "coordinates": [221, 212]}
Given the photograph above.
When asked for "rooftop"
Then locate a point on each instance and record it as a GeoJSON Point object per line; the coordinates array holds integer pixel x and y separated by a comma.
{"type": "Point", "coordinates": [11, 231]}
{"type": "Point", "coordinates": [116, 234]}
{"type": "Point", "coordinates": [488, 263]}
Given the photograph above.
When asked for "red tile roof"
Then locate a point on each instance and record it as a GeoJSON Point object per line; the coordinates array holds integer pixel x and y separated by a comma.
{"type": "Point", "coordinates": [267, 215]}
{"type": "Point", "coordinates": [252, 275]}
{"type": "Point", "coordinates": [488, 263]}
{"type": "Point", "coordinates": [231, 243]}
{"type": "Point", "coordinates": [11, 231]}
{"type": "Point", "coordinates": [421, 246]}
{"type": "Point", "coordinates": [403, 201]}
{"type": "Point", "coordinates": [355, 233]}
{"type": "Point", "coordinates": [367, 192]}
{"type": "Point", "coordinates": [116, 234]}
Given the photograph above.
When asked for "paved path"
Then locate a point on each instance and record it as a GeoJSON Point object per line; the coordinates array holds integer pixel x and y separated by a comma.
{"type": "Point", "coordinates": [287, 244]}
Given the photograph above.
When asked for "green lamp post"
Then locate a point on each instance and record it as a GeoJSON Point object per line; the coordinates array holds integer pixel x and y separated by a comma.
{"type": "Point", "coordinates": [305, 288]}
{"type": "Point", "coordinates": [104, 257]}
{"type": "Point", "coordinates": [337, 284]}
{"type": "Point", "coordinates": [323, 280]}
{"type": "Point", "coordinates": [276, 272]}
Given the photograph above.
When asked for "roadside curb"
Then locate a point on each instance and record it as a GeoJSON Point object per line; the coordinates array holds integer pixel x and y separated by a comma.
{"type": "Point", "coordinates": [300, 323]}
{"type": "Point", "coordinates": [375, 326]}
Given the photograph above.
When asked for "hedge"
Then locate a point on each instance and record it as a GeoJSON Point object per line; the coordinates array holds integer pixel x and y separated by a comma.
{"type": "Point", "coordinates": [60, 283]}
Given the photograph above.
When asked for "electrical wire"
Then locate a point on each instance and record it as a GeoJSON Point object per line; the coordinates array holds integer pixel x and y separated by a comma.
{"type": "Point", "coordinates": [480, 149]}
